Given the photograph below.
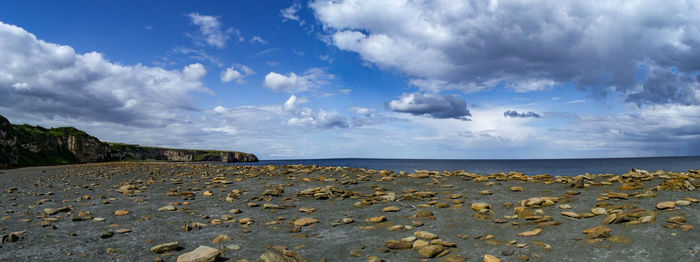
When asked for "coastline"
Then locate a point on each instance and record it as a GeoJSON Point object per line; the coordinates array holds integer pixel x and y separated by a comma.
{"type": "Point", "coordinates": [344, 214]}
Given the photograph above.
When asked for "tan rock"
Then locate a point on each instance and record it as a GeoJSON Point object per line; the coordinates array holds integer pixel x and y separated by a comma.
{"type": "Point", "coordinates": [166, 247]}
{"type": "Point", "coordinates": [666, 205]}
{"type": "Point", "coordinates": [305, 221]}
{"type": "Point", "coordinates": [200, 254]}
{"type": "Point", "coordinates": [491, 258]}
{"type": "Point", "coordinates": [430, 250]}
{"type": "Point", "coordinates": [391, 209]}
{"type": "Point", "coordinates": [530, 233]}
{"type": "Point", "coordinates": [376, 219]}
{"type": "Point", "coordinates": [221, 238]}
{"type": "Point", "coordinates": [599, 211]}
{"type": "Point", "coordinates": [478, 206]}
{"type": "Point", "coordinates": [418, 244]}
{"type": "Point", "coordinates": [121, 212]}
{"type": "Point", "coordinates": [396, 244]}
{"type": "Point", "coordinates": [425, 235]}
{"type": "Point", "coordinates": [571, 214]}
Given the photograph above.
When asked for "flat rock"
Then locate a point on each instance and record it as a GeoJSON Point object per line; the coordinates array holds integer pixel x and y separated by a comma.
{"type": "Point", "coordinates": [200, 254]}
{"type": "Point", "coordinates": [391, 209]}
{"type": "Point", "coordinates": [166, 247]}
{"type": "Point", "coordinates": [666, 205]}
{"type": "Point", "coordinates": [425, 235]}
{"type": "Point", "coordinates": [431, 250]}
{"type": "Point", "coordinates": [305, 221]}
{"type": "Point", "coordinates": [396, 244]}
{"type": "Point", "coordinates": [530, 233]}
{"type": "Point", "coordinates": [491, 258]}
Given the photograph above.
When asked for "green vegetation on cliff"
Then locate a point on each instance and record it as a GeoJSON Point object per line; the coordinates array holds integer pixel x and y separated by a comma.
{"type": "Point", "coordinates": [26, 145]}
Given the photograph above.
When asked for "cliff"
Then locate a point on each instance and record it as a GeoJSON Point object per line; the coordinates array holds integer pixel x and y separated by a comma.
{"type": "Point", "coordinates": [25, 145]}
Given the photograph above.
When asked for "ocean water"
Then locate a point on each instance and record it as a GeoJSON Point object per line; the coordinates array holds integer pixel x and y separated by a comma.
{"type": "Point", "coordinates": [534, 166]}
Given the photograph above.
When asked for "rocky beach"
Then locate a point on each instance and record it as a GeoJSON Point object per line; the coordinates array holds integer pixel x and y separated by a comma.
{"type": "Point", "coordinates": [157, 211]}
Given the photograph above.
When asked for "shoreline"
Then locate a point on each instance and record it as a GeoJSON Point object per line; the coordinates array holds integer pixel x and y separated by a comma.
{"type": "Point", "coordinates": [344, 214]}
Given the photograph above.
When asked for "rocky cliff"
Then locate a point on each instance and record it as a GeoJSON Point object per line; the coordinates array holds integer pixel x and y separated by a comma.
{"type": "Point", "coordinates": [25, 145]}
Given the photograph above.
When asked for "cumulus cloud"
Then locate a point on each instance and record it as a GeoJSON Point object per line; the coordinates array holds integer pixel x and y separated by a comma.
{"type": "Point", "coordinates": [477, 45]}
{"type": "Point", "coordinates": [50, 80]}
{"type": "Point", "coordinates": [231, 73]}
{"type": "Point", "coordinates": [436, 106]}
{"type": "Point", "coordinates": [293, 83]}
{"type": "Point", "coordinates": [513, 114]}
{"type": "Point", "coordinates": [210, 30]}
{"type": "Point", "coordinates": [664, 86]}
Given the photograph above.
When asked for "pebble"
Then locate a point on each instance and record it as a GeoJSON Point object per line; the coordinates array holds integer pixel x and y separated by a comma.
{"type": "Point", "coordinates": [666, 205]}
{"type": "Point", "coordinates": [167, 208]}
{"type": "Point", "coordinates": [425, 235]}
{"type": "Point", "coordinates": [530, 233]}
{"type": "Point", "coordinates": [166, 247]}
{"type": "Point", "coordinates": [106, 234]}
{"type": "Point", "coordinates": [376, 219]}
{"type": "Point", "coordinates": [374, 259]}
{"type": "Point", "coordinates": [599, 211]}
{"type": "Point", "coordinates": [396, 244]}
{"type": "Point", "coordinates": [431, 250]}
{"type": "Point", "coordinates": [305, 221]}
{"type": "Point", "coordinates": [391, 209]}
{"type": "Point", "coordinates": [121, 212]}
{"type": "Point", "coordinates": [478, 206]}
{"type": "Point", "coordinates": [220, 238]}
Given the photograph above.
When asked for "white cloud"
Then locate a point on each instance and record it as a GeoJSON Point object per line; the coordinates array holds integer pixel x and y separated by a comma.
{"type": "Point", "coordinates": [230, 130]}
{"type": "Point", "coordinates": [362, 110]}
{"type": "Point", "coordinates": [477, 45]}
{"type": "Point", "coordinates": [293, 83]}
{"type": "Point", "coordinates": [210, 29]}
{"type": "Point", "coordinates": [49, 80]}
{"type": "Point", "coordinates": [231, 74]}
{"type": "Point", "coordinates": [292, 103]}
{"type": "Point", "coordinates": [194, 71]}
{"type": "Point", "coordinates": [290, 13]}
{"type": "Point", "coordinates": [257, 39]}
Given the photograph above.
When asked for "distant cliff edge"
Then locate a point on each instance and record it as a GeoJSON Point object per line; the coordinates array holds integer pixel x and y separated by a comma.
{"type": "Point", "coordinates": [25, 145]}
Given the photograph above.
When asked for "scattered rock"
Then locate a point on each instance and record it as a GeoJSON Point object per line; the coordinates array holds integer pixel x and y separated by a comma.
{"type": "Point", "coordinates": [666, 205]}
{"type": "Point", "coordinates": [425, 235]}
{"type": "Point", "coordinates": [305, 221]}
{"type": "Point", "coordinates": [491, 258]}
{"type": "Point", "coordinates": [391, 209]}
{"type": "Point", "coordinates": [431, 250]}
{"type": "Point", "coordinates": [530, 233]}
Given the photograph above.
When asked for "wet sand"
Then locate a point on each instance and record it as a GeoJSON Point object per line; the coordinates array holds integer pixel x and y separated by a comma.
{"type": "Point", "coordinates": [110, 211]}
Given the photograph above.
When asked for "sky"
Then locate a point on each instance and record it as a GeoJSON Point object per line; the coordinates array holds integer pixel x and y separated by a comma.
{"type": "Point", "coordinates": [443, 79]}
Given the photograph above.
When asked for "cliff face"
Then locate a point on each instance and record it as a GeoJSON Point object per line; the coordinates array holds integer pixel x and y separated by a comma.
{"type": "Point", "coordinates": [25, 145]}
{"type": "Point", "coordinates": [8, 144]}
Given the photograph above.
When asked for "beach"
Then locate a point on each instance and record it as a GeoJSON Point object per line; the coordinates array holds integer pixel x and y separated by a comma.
{"type": "Point", "coordinates": [121, 211]}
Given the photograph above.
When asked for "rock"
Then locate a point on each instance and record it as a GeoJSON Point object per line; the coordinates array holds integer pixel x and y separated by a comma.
{"type": "Point", "coordinates": [167, 208]}
{"type": "Point", "coordinates": [443, 243]}
{"type": "Point", "coordinates": [121, 212]}
{"type": "Point", "coordinates": [647, 219]}
{"type": "Point", "coordinates": [221, 238]}
{"type": "Point", "coordinates": [409, 239]}
{"type": "Point", "coordinates": [666, 205]}
{"type": "Point", "coordinates": [620, 239]}
{"type": "Point", "coordinates": [123, 230]}
{"type": "Point", "coordinates": [425, 235]}
{"type": "Point", "coordinates": [676, 220]}
{"type": "Point", "coordinates": [423, 214]}
{"type": "Point", "coordinates": [271, 257]}
{"type": "Point", "coordinates": [597, 232]}
{"type": "Point", "coordinates": [571, 214]}
{"type": "Point", "coordinates": [686, 227]}
{"type": "Point", "coordinates": [111, 250]}
{"type": "Point", "coordinates": [376, 219]}
{"type": "Point", "coordinates": [391, 209]}
{"type": "Point", "coordinates": [599, 211]}
{"type": "Point", "coordinates": [517, 189]}
{"type": "Point", "coordinates": [418, 244]}
{"type": "Point", "coordinates": [374, 259]}
{"type": "Point", "coordinates": [245, 221]}
{"type": "Point", "coordinates": [530, 233]}
{"type": "Point", "coordinates": [307, 210]}
{"type": "Point", "coordinates": [53, 211]}
{"type": "Point", "coordinates": [305, 221]}
{"type": "Point", "coordinates": [166, 247]}
{"type": "Point", "coordinates": [478, 206]}
{"type": "Point", "coordinates": [200, 254]}
{"type": "Point", "coordinates": [565, 206]}
{"type": "Point", "coordinates": [396, 244]}
{"type": "Point", "coordinates": [431, 250]}
{"type": "Point", "coordinates": [491, 258]}
{"type": "Point", "coordinates": [532, 201]}
{"type": "Point", "coordinates": [608, 220]}
{"type": "Point", "coordinates": [347, 220]}
{"type": "Point", "coordinates": [485, 192]}
{"type": "Point", "coordinates": [682, 202]}
{"type": "Point", "coordinates": [233, 247]}
{"type": "Point", "coordinates": [455, 258]}
{"type": "Point", "coordinates": [106, 234]}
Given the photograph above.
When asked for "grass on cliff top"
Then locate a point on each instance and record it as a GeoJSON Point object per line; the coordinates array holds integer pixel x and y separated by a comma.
{"type": "Point", "coordinates": [38, 133]}
{"type": "Point", "coordinates": [122, 147]}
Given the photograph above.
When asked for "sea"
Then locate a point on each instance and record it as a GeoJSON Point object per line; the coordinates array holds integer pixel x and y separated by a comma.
{"type": "Point", "coordinates": [527, 166]}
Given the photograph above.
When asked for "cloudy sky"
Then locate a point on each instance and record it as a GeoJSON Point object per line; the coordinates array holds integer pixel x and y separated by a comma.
{"type": "Point", "coordinates": [389, 79]}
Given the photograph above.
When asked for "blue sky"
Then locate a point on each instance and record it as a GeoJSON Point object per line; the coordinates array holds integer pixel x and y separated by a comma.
{"type": "Point", "coordinates": [390, 79]}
